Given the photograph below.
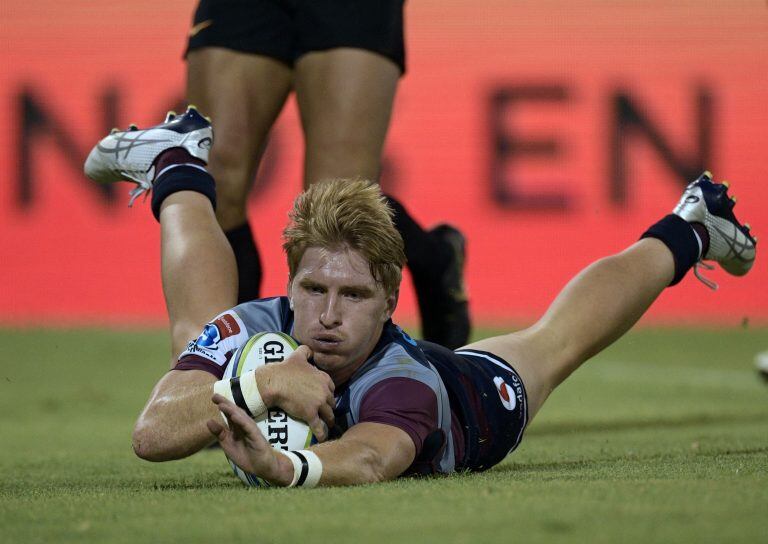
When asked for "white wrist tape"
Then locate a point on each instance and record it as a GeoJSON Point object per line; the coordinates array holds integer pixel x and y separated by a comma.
{"type": "Point", "coordinates": [244, 392]}
{"type": "Point", "coordinates": [307, 468]}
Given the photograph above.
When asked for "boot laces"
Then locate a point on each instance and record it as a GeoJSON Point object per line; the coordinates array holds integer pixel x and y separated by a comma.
{"type": "Point", "coordinates": [142, 185]}
{"type": "Point", "coordinates": [699, 276]}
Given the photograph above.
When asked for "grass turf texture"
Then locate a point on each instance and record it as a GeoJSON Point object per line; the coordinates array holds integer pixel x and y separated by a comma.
{"type": "Point", "coordinates": [662, 438]}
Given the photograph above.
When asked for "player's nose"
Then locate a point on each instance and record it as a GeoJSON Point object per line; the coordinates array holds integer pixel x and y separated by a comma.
{"type": "Point", "coordinates": [330, 316]}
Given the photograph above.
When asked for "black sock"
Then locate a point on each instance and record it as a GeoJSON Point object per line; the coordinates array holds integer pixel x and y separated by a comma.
{"type": "Point", "coordinates": [426, 255]}
{"type": "Point", "coordinates": [679, 236]}
{"type": "Point", "coordinates": [175, 155]}
{"type": "Point", "coordinates": [186, 173]}
{"type": "Point", "coordinates": [701, 230]}
{"type": "Point", "coordinates": [248, 262]}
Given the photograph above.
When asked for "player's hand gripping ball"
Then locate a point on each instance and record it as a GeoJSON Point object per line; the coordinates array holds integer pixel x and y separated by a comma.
{"type": "Point", "coordinates": [281, 430]}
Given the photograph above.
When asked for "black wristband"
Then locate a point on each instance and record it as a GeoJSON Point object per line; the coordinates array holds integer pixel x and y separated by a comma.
{"type": "Point", "coordinates": [237, 395]}
{"type": "Point", "coordinates": [304, 469]}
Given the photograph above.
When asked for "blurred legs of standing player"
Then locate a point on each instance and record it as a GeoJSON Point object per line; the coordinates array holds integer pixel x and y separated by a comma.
{"type": "Point", "coordinates": [244, 94]}
{"type": "Point", "coordinates": [344, 63]}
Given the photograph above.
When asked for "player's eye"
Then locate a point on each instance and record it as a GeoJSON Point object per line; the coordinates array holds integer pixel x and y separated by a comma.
{"type": "Point", "coordinates": [313, 288]}
{"type": "Point", "coordinates": [357, 294]}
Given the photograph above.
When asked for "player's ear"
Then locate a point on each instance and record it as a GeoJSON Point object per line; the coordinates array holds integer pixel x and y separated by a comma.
{"type": "Point", "coordinates": [392, 299]}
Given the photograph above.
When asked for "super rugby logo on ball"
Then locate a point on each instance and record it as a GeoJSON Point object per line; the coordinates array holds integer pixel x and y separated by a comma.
{"type": "Point", "coordinates": [281, 430]}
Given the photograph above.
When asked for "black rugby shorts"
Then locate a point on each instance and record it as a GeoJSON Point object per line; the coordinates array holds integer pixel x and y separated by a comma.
{"type": "Point", "coordinates": [498, 413]}
{"type": "Point", "coordinates": [489, 398]}
{"type": "Point", "coordinates": [287, 29]}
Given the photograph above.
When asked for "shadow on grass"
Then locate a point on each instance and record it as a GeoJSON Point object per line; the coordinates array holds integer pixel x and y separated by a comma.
{"type": "Point", "coordinates": [548, 429]}
{"type": "Point", "coordinates": [205, 481]}
{"type": "Point", "coordinates": [579, 464]}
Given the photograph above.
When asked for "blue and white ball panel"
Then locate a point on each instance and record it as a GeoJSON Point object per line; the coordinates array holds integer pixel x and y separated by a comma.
{"type": "Point", "coordinates": [282, 431]}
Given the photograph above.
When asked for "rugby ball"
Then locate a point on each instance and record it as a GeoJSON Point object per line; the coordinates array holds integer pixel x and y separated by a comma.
{"type": "Point", "coordinates": [281, 430]}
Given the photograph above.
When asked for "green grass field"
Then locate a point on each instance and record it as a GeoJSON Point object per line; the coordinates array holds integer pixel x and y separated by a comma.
{"type": "Point", "coordinates": [662, 438]}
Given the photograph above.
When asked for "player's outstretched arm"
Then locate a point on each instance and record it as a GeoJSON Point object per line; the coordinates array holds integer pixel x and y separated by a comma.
{"type": "Point", "coordinates": [366, 453]}
{"type": "Point", "coordinates": [172, 423]}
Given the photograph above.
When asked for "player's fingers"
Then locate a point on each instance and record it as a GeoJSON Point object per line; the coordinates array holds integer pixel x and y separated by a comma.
{"type": "Point", "coordinates": [319, 429]}
{"type": "Point", "coordinates": [326, 414]}
{"type": "Point", "coordinates": [239, 422]}
{"type": "Point", "coordinates": [221, 400]}
{"type": "Point", "coordinates": [304, 352]}
{"type": "Point", "coordinates": [226, 408]}
{"type": "Point", "coordinates": [326, 379]}
{"type": "Point", "coordinates": [224, 405]}
{"type": "Point", "coordinates": [238, 416]}
{"type": "Point", "coordinates": [216, 428]}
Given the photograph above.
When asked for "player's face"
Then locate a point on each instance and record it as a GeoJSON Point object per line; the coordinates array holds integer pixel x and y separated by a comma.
{"type": "Point", "coordinates": [339, 309]}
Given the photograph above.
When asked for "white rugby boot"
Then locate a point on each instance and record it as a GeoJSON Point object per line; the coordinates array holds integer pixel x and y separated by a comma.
{"type": "Point", "coordinates": [730, 243]}
{"type": "Point", "coordinates": [130, 155]}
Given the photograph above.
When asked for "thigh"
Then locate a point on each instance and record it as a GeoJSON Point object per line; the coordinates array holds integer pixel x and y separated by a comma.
{"type": "Point", "coordinates": [243, 94]}
{"type": "Point", "coordinates": [345, 98]}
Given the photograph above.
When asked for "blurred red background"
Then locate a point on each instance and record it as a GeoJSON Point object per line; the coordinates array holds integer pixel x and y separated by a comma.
{"type": "Point", "coordinates": [551, 132]}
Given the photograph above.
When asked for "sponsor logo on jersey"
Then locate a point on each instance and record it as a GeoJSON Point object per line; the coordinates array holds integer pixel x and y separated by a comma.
{"type": "Point", "coordinates": [207, 353]}
{"type": "Point", "coordinates": [227, 325]}
{"type": "Point", "coordinates": [209, 337]}
{"type": "Point", "coordinates": [506, 393]}
{"type": "Point", "coordinates": [213, 333]}
{"type": "Point", "coordinates": [210, 340]}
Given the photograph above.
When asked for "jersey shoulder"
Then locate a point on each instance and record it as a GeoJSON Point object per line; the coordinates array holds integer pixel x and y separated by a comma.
{"type": "Point", "coordinates": [266, 314]}
{"type": "Point", "coordinates": [396, 355]}
{"type": "Point", "coordinates": [229, 330]}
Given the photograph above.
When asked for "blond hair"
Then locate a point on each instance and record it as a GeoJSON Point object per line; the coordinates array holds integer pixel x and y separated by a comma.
{"type": "Point", "coordinates": [348, 213]}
